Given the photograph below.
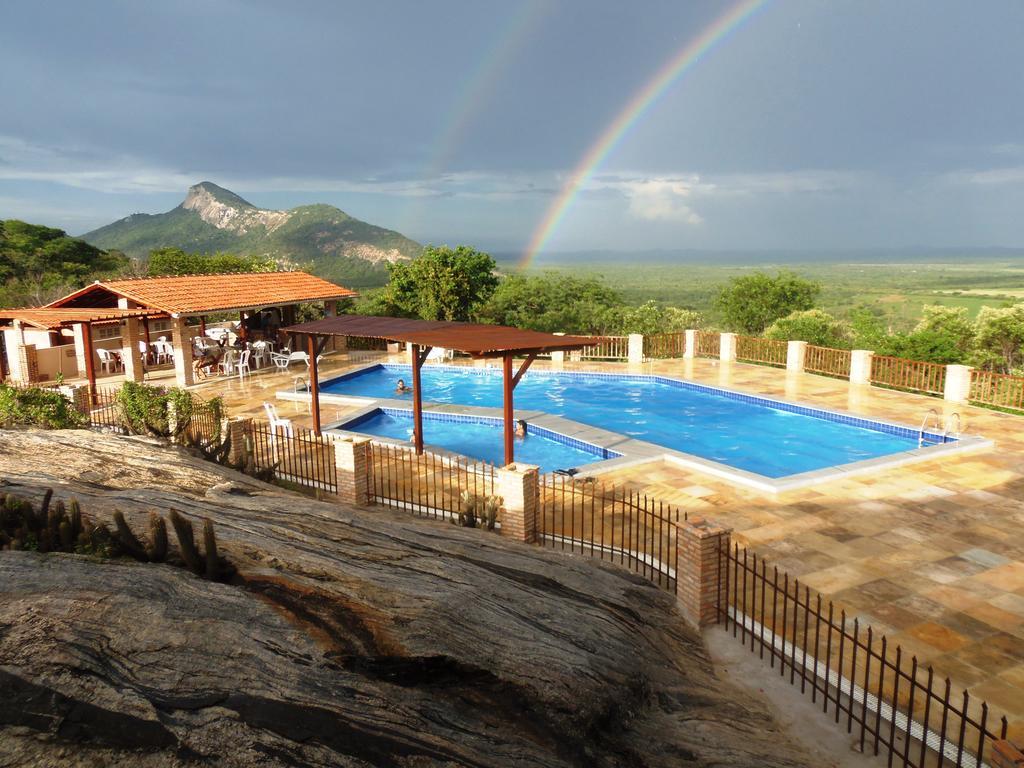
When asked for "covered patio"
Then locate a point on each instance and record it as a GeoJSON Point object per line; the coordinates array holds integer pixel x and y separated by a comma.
{"type": "Point", "coordinates": [128, 327]}
{"type": "Point", "coordinates": [476, 340]}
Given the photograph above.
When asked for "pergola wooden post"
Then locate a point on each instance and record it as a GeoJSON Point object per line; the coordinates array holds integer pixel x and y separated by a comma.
{"type": "Point", "coordinates": [314, 383]}
{"type": "Point", "coordinates": [509, 386]}
{"type": "Point", "coordinates": [417, 357]}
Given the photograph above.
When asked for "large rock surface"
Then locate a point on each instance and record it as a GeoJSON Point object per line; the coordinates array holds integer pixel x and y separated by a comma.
{"type": "Point", "coordinates": [350, 637]}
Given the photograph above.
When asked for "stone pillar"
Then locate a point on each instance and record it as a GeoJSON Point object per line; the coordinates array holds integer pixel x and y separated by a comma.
{"type": "Point", "coordinates": [330, 309]}
{"type": "Point", "coordinates": [131, 335]}
{"type": "Point", "coordinates": [727, 348]}
{"type": "Point", "coordinates": [78, 394]}
{"type": "Point", "coordinates": [958, 383]}
{"type": "Point", "coordinates": [352, 460]}
{"type": "Point", "coordinates": [690, 351]}
{"type": "Point", "coordinates": [558, 358]}
{"type": "Point", "coordinates": [636, 349]}
{"type": "Point", "coordinates": [26, 364]}
{"type": "Point", "coordinates": [860, 366]}
{"type": "Point", "coordinates": [519, 488]}
{"type": "Point", "coordinates": [78, 329]}
{"type": "Point", "coordinates": [700, 579]}
{"type": "Point", "coordinates": [239, 430]}
{"type": "Point", "coordinates": [184, 375]}
{"type": "Point", "coordinates": [796, 355]}
{"type": "Point", "coordinates": [1006, 755]}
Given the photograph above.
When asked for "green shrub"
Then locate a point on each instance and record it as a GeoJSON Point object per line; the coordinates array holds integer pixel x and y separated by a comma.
{"type": "Point", "coordinates": [146, 410]}
{"type": "Point", "coordinates": [35, 407]}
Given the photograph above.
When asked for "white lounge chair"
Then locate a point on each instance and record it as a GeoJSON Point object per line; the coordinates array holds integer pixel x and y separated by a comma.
{"type": "Point", "coordinates": [282, 361]}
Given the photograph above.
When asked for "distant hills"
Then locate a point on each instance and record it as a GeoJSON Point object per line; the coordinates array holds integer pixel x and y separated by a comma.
{"type": "Point", "coordinates": [322, 238]}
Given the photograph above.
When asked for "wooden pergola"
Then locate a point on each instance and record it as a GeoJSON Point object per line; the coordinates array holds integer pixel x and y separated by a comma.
{"type": "Point", "coordinates": [478, 341]}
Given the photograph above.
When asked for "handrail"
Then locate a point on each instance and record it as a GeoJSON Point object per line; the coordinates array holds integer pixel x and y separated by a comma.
{"type": "Point", "coordinates": [924, 424]}
{"type": "Point", "coordinates": [946, 432]}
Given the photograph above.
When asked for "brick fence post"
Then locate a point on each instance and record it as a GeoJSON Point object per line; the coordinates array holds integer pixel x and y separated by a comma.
{"type": "Point", "coordinates": [699, 581]}
{"type": "Point", "coordinates": [796, 356]}
{"type": "Point", "coordinates": [78, 394]}
{"type": "Point", "coordinates": [519, 487]}
{"type": "Point", "coordinates": [860, 366]}
{"type": "Point", "coordinates": [690, 350]}
{"type": "Point", "coordinates": [353, 465]}
{"type": "Point", "coordinates": [1006, 755]}
{"type": "Point", "coordinates": [727, 348]}
{"type": "Point", "coordinates": [239, 430]}
{"type": "Point", "coordinates": [958, 383]}
{"type": "Point", "coordinates": [27, 363]}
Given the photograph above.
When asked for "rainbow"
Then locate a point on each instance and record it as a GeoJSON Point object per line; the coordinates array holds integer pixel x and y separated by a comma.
{"type": "Point", "coordinates": [641, 101]}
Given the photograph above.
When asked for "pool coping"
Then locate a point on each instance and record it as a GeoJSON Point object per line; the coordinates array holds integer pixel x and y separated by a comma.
{"type": "Point", "coordinates": [636, 452]}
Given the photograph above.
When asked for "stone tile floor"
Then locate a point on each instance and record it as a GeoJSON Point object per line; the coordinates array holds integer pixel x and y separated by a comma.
{"type": "Point", "coordinates": [930, 554]}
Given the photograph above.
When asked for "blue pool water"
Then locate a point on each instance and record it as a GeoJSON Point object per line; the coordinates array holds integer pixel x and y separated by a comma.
{"type": "Point", "coordinates": [479, 440]}
{"type": "Point", "coordinates": [733, 429]}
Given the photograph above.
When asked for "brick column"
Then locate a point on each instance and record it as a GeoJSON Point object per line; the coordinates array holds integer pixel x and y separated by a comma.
{"type": "Point", "coordinates": [78, 394]}
{"type": "Point", "coordinates": [727, 348]}
{"type": "Point", "coordinates": [860, 366]}
{"type": "Point", "coordinates": [239, 430]}
{"type": "Point", "coordinates": [796, 355]}
{"type": "Point", "coordinates": [519, 488]}
{"type": "Point", "coordinates": [690, 351]}
{"type": "Point", "coordinates": [958, 383]}
{"type": "Point", "coordinates": [636, 349]}
{"type": "Point", "coordinates": [26, 367]}
{"type": "Point", "coordinates": [79, 333]}
{"type": "Point", "coordinates": [131, 335]}
{"type": "Point", "coordinates": [698, 577]}
{"type": "Point", "coordinates": [184, 375]}
{"type": "Point", "coordinates": [352, 460]}
{"type": "Point", "coordinates": [1006, 755]}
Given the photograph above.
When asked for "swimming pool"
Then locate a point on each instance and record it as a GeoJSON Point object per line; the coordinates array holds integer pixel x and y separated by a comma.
{"type": "Point", "coordinates": [766, 437]}
{"type": "Point", "coordinates": [481, 438]}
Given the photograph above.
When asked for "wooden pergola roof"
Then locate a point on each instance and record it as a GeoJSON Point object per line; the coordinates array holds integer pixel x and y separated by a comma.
{"type": "Point", "coordinates": [475, 339]}
{"type": "Point", "coordinates": [55, 318]}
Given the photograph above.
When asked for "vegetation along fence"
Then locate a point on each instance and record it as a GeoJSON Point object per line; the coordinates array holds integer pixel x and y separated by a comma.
{"type": "Point", "coordinates": [831, 362]}
{"type": "Point", "coordinates": [997, 389]}
{"type": "Point", "coordinates": [611, 524]}
{"type": "Point", "coordinates": [915, 375]}
{"type": "Point", "coordinates": [709, 343]}
{"type": "Point", "coordinates": [428, 484]}
{"type": "Point", "coordinates": [607, 348]}
{"type": "Point", "coordinates": [295, 454]}
{"type": "Point", "coordinates": [665, 345]}
{"type": "Point", "coordinates": [894, 706]}
{"type": "Point", "coordinates": [104, 411]}
{"type": "Point", "coordinates": [204, 425]}
{"type": "Point", "coordinates": [753, 349]}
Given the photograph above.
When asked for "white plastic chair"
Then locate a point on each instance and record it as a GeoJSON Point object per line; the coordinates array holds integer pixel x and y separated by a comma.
{"type": "Point", "coordinates": [243, 364]}
{"type": "Point", "coordinates": [109, 362]}
{"type": "Point", "coordinates": [227, 361]}
{"type": "Point", "coordinates": [276, 422]}
{"type": "Point", "coordinates": [143, 352]}
{"type": "Point", "coordinates": [259, 353]}
{"type": "Point", "coordinates": [282, 361]}
{"type": "Point", "coordinates": [163, 351]}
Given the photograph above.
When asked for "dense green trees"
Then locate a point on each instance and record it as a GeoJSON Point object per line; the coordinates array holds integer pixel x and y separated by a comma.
{"type": "Point", "coordinates": [753, 302]}
{"type": "Point", "coordinates": [814, 326]}
{"type": "Point", "coordinates": [442, 284]}
{"type": "Point", "coordinates": [37, 263]}
{"type": "Point", "coordinates": [552, 302]}
{"type": "Point", "coordinates": [174, 261]}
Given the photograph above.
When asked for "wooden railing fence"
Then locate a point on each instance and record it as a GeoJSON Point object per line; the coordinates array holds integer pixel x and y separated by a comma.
{"type": "Point", "coordinates": [607, 348]}
{"type": "Point", "coordinates": [997, 389]}
{"type": "Point", "coordinates": [665, 345]}
{"type": "Point", "coordinates": [914, 375]}
{"type": "Point", "coordinates": [429, 485]}
{"type": "Point", "coordinates": [893, 705]}
{"type": "Point", "coordinates": [709, 344]}
{"type": "Point", "coordinates": [755, 349]}
{"type": "Point", "coordinates": [610, 524]}
{"type": "Point", "coordinates": [295, 454]}
{"type": "Point", "coordinates": [831, 362]}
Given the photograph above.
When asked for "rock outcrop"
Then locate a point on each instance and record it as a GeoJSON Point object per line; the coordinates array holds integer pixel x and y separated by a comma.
{"type": "Point", "coordinates": [349, 638]}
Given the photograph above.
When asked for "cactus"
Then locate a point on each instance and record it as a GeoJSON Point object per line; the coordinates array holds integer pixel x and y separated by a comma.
{"type": "Point", "coordinates": [492, 505]}
{"type": "Point", "coordinates": [44, 508]}
{"type": "Point", "coordinates": [187, 543]}
{"type": "Point", "coordinates": [67, 540]}
{"type": "Point", "coordinates": [75, 512]}
{"type": "Point", "coordinates": [127, 539]}
{"type": "Point", "coordinates": [210, 545]}
{"type": "Point", "coordinates": [467, 510]}
{"type": "Point", "coordinates": [157, 547]}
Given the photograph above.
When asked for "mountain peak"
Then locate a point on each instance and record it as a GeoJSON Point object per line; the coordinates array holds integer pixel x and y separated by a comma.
{"type": "Point", "coordinates": [206, 191]}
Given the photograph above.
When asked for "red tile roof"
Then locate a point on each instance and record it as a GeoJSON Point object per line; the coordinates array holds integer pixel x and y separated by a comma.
{"type": "Point", "coordinates": [53, 318]}
{"type": "Point", "coordinates": [193, 294]}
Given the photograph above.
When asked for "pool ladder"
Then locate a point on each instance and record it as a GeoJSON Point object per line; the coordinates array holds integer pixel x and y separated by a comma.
{"type": "Point", "coordinates": [946, 431]}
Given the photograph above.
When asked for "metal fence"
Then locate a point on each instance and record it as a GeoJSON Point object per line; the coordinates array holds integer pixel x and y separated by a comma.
{"type": "Point", "coordinates": [295, 454]}
{"type": "Point", "coordinates": [709, 344]}
{"type": "Point", "coordinates": [753, 349]}
{"type": "Point", "coordinates": [997, 389]}
{"type": "Point", "coordinates": [429, 485]}
{"type": "Point", "coordinates": [665, 345]}
{"type": "Point", "coordinates": [611, 524]}
{"type": "Point", "coordinates": [915, 375]}
{"type": "Point", "coordinates": [831, 362]}
{"type": "Point", "coordinates": [895, 706]}
{"type": "Point", "coordinates": [204, 425]}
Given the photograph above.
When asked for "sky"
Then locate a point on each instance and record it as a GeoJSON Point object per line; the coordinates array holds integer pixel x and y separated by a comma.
{"type": "Point", "coordinates": [809, 125]}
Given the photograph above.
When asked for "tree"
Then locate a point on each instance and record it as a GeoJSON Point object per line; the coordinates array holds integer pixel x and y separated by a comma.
{"type": "Point", "coordinates": [753, 302]}
{"type": "Point", "coordinates": [1000, 336]}
{"type": "Point", "coordinates": [442, 284]}
{"type": "Point", "coordinates": [554, 302]}
{"type": "Point", "coordinates": [175, 261]}
{"type": "Point", "coordinates": [814, 326]}
{"type": "Point", "coordinates": [950, 322]}
{"type": "Point", "coordinates": [650, 318]}
{"type": "Point", "coordinates": [930, 346]}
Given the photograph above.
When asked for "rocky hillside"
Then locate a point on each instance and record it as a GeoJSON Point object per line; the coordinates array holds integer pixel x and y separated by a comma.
{"type": "Point", "coordinates": [348, 638]}
{"type": "Point", "coordinates": [210, 218]}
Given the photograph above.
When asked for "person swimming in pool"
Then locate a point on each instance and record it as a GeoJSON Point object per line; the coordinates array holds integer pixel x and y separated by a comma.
{"type": "Point", "coordinates": [401, 388]}
{"type": "Point", "coordinates": [520, 430]}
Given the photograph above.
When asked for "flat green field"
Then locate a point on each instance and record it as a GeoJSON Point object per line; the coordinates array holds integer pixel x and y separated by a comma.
{"type": "Point", "coordinates": [896, 291]}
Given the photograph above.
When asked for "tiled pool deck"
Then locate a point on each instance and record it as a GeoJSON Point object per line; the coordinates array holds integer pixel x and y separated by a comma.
{"type": "Point", "coordinates": [932, 553]}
